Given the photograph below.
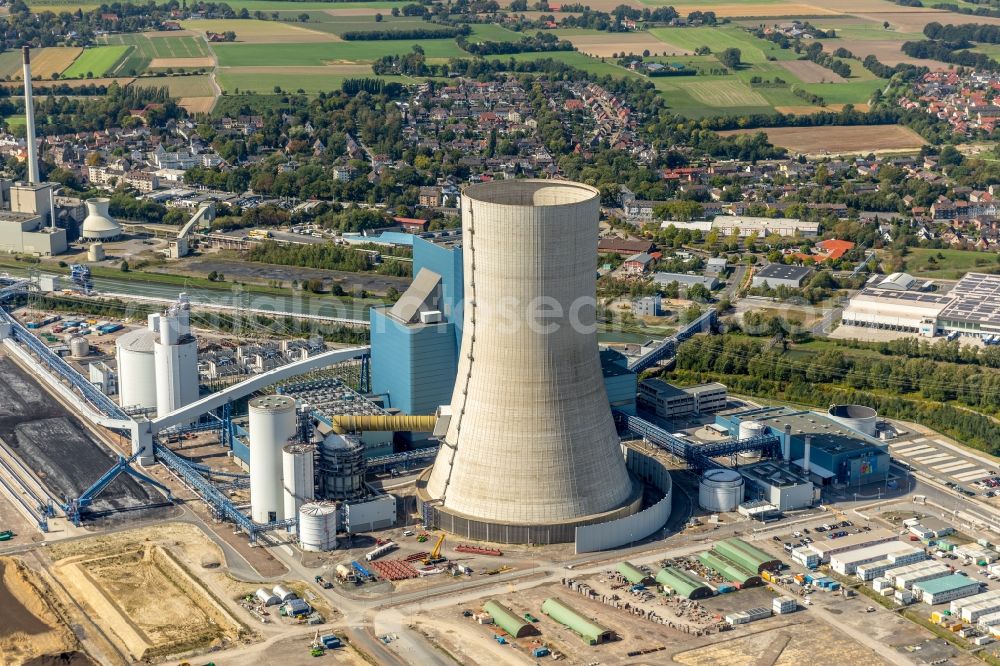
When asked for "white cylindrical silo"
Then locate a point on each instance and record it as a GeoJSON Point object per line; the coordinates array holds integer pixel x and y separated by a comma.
{"type": "Point", "coordinates": [856, 417]}
{"type": "Point", "coordinates": [96, 252]}
{"type": "Point", "coordinates": [318, 526]}
{"type": "Point", "coordinates": [720, 490]}
{"type": "Point", "coordinates": [531, 440]}
{"type": "Point", "coordinates": [299, 481]}
{"type": "Point", "coordinates": [136, 369]}
{"type": "Point", "coordinates": [79, 347]}
{"type": "Point", "coordinates": [749, 430]}
{"type": "Point", "coordinates": [272, 424]}
{"type": "Point", "coordinates": [176, 353]}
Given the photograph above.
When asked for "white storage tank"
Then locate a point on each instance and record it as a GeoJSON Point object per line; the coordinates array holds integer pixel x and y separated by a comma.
{"type": "Point", "coordinates": [318, 526]}
{"type": "Point", "coordinates": [136, 369]}
{"type": "Point", "coordinates": [272, 424]}
{"type": "Point", "coordinates": [857, 417]}
{"type": "Point", "coordinates": [79, 347]}
{"type": "Point", "coordinates": [298, 477]}
{"type": "Point", "coordinates": [176, 353]}
{"type": "Point", "coordinates": [720, 490]}
{"type": "Point", "coordinates": [748, 430]}
{"type": "Point", "coordinates": [96, 252]}
{"type": "Point", "coordinates": [342, 467]}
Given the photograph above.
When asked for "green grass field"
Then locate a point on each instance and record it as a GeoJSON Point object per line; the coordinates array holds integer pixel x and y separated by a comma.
{"type": "Point", "coordinates": [96, 61]}
{"type": "Point", "coordinates": [752, 49]}
{"type": "Point", "coordinates": [852, 92]}
{"type": "Point", "coordinates": [574, 59]}
{"type": "Point", "coordinates": [494, 33]}
{"type": "Point", "coordinates": [234, 82]}
{"type": "Point", "coordinates": [321, 53]}
{"type": "Point", "coordinates": [949, 264]}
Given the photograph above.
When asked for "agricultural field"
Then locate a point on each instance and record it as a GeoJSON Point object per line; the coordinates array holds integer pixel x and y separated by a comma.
{"type": "Point", "coordinates": [575, 59]}
{"type": "Point", "coordinates": [180, 86]}
{"type": "Point", "coordinates": [151, 50]}
{"type": "Point", "coordinates": [57, 6]}
{"type": "Point", "coordinates": [251, 31]}
{"type": "Point", "coordinates": [857, 139]}
{"type": "Point", "coordinates": [809, 72]}
{"type": "Point", "coordinates": [604, 44]}
{"type": "Point", "coordinates": [273, 55]}
{"type": "Point", "coordinates": [293, 79]}
{"type": "Point", "coordinates": [44, 62]}
{"type": "Point", "coordinates": [752, 49]}
{"type": "Point", "coordinates": [96, 61]}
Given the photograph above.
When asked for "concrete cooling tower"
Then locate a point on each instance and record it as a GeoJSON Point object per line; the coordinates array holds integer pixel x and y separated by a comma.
{"type": "Point", "coordinates": [531, 449]}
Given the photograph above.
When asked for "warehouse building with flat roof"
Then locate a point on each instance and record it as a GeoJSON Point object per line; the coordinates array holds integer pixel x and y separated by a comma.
{"type": "Point", "coordinates": [903, 578]}
{"type": "Point", "coordinates": [847, 563]}
{"type": "Point", "coordinates": [675, 581]}
{"type": "Point", "coordinates": [945, 589]}
{"type": "Point", "coordinates": [873, 570]}
{"type": "Point", "coordinates": [773, 276]}
{"type": "Point", "coordinates": [828, 548]}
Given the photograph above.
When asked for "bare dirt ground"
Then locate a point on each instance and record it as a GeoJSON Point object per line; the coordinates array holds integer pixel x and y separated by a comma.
{"type": "Point", "coordinates": [810, 72]}
{"type": "Point", "coordinates": [181, 62]}
{"type": "Point", "coordinates": [841, 140]}
{"type": "Point", "coordinates": [140, 587]}
{"type": "Point", "coordinates": [605, 46]}
{"type": "Point", "coordinates": [781, 647]}
{"type": "Point", "coordinates": [40, 86]}
{"type": "Point", "coordinates": [29, 627]}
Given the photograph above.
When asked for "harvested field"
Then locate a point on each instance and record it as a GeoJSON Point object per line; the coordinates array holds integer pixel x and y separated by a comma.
{"type": "Point", "coordinates": [353, 11]}
{"type": "Point", "coordinates": [915, 21]}
{"type": "Point", "coordinates": [809, 72]}
{"type": "Point", "coordinates": [807, 109]}
{"type": "Point", "coordinates": [40, 87]}
{"type": "Point", "coordinates": [249, 31]}
{"type": "Point", "coordinates": [44, 62]}
{"type": "Point", "coordinates": [633, 43]}
{"type": "Point", "coordinates": [163, 63]}
{"type": "Point", "coordinates": [762, 10]}
{"type": "Point", "coordinates": [841, 140]}
{"type": "Point", "coordinates": [180, 86]}
{"type": "Point", "coordinates": [331, 70]}
{"type": "Point", "coordinates": [197, 104]}
{"type": "Point", "coordinates": [29, 627]}
{"type": "Point", "coordinates": [149, 601]}
{"type": "Point", "coordinates": [886, 50]}
{"type": "Point", "coordinates": [724, 93]}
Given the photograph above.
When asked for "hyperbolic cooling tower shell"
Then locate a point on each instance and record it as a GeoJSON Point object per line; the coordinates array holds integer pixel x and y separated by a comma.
{"type": "Point", "coordinates": [531, 440]}
{"type": "Point", "coordinates": [99, 225]}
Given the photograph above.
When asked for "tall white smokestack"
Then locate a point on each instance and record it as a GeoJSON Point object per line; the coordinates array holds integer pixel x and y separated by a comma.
{"type": "Point", "coordinates": [786, 444]}
{"type": "Point", "coordinates": [29, 119]}
{"type": "Point", "coordinates": [806, 454]}
{"type": "Point", "coordinates": [52, 208]}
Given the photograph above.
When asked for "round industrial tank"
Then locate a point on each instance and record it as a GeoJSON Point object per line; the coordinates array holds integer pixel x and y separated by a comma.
{"type": "Point", "coordinates": [136, 369]}
{"type": "Point", "coordinates": [857, 417]}
{"type": "Point", "coordinates": [79, 347]}
{"type": "Point", "coordinates": [342, 467]}
{"type": "Point", "coordinates": [748, 430]}
{"type": "Point", "coordinates": [318, 526]}
{"type": "Point", "coordinates": [720, 490]}
{"type": "Point", "coordinates": [272, 424]}
{"type": "Point", "coordinates": [99, 225]}
{"type": "Point", "coordinates": [297, 476]}
{"type": "Point", "coordinates": [532, 441]}
{"type": "Point", "coordinates": [96, 252]}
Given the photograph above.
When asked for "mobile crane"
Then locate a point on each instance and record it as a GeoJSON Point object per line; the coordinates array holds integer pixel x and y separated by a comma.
{"type": "Point", "coordinates": [435, 555]}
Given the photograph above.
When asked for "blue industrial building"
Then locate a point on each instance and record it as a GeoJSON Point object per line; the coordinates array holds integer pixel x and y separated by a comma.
{"type": "Point", "coordinates": [416, 342]}
{"type": "Point", "coordinates": [837, 453]}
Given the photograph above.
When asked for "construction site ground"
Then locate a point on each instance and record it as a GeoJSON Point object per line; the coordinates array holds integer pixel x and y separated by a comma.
{"type": "Point", "coordinates": [155, 591]}
{"type": "Point", "coordinates": [31, 628]}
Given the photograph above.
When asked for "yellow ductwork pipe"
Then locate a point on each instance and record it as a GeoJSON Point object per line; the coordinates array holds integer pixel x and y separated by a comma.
{"type": "Point", "coordinates": [352, 423]}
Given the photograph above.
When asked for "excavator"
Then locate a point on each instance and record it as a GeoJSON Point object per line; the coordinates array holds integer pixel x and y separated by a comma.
{"type": "Point", "coordinates": [435, 555]}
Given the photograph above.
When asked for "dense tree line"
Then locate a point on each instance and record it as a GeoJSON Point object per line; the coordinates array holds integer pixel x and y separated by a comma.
{"type": "Point", "coordinates": [372, 86]}
{"type": "Point", "coordinates": [815, 53]}
{"type": "Point", "coordinates": [914, 389]}
{"type": "Point", "coordinates": [541, 41]}
{"type": "Point", "coordinates": [441, 32]}
{"type": "Point", "coordinates": [954, 52]}
{"type": "Point", "coordinates": [972, 32]}
{"type": "Point", "coordinates": [963, 9]}
{"type": "Point", "coordinates": [317, 255]}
